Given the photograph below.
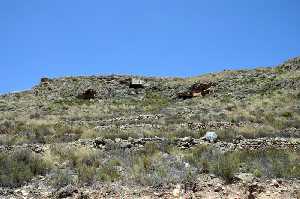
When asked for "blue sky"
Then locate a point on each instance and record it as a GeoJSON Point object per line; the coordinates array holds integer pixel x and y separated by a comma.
{"type": "Point", "coordinates": [146, 37]}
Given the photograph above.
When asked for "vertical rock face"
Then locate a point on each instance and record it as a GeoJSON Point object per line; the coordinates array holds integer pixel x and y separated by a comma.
{"type": "Point", "coordinates": [201, 88]}
{"type": "Point", "coordinates": [197, 89]}
{"type": "Point", "coordinates": [136, 83]}
{"type": "Point", "coordinates": [88, 94]}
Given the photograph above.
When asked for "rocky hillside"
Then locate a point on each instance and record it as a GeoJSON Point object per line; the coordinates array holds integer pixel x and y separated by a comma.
{"type": "Point", "coordinates": [216, 135]}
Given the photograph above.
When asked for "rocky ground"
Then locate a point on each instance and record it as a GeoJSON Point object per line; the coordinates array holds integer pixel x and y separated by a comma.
{"type": "Point", "coordinates": [206, 186]}
{"type": "Point", "coordinates": [233, 134]}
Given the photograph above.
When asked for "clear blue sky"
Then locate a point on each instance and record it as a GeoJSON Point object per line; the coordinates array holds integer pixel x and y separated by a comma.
{"type": "Point", "coordinates": [145, 37]}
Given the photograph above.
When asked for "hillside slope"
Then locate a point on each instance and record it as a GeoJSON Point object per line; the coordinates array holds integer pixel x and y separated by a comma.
{"type": "Point", "coordinates": [128, 131]}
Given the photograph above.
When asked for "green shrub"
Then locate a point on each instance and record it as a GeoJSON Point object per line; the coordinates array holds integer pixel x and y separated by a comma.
{"type": "Point", "coordinates": [86, 174]}
{"type": "Point", "coordinates": [195, 156]}
{"type": "Point", "coordinates": [272, 163]}
{"type": "Point", "coordinates": [62, 178]}
{"type": "Point", "coordinates": [109, 171]}
{"type": "Point", "coordinates": [287, 114]}
{"type": "Point", "coordinates": [154, 101]}
{"type": "Point", "coordinates": [226, 165]}
{"type": "Point", "coordinates": [21, 166]}
{"type": "Point", "coordinates": [227, 134]}
{"type": "Point", "coordinates": [257, 173]}
{"type": "Point", "coordinates": [114, 133]}
{"type": "Point", "coordinates": [151, 148]}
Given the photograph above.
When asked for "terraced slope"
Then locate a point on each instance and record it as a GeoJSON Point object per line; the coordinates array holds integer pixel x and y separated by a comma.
{"type": "Point", "coordinates": [148, 131]}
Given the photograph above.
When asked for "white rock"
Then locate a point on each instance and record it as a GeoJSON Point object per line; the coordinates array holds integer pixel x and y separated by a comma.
{"type": "Point", "coordinates": [210, 136]}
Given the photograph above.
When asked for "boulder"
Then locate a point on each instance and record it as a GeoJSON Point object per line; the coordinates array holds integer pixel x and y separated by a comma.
{"type": "Point", "coordinates": [210, 136]}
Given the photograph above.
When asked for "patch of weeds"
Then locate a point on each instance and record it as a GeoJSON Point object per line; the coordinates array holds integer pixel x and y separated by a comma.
{"type": "Point", "coordinates": [274, 121]}
{"type": "Point", "coordinates": [174, 119]}
{"type": "Point", "coordinates": [257, 173]}
{"type": "Point", "coordinates": [154, 101]}
{"type": "Point", "coordinates": [114, 133]}
{"type": "Point", "coordinates": [226, 99]}
{"type": "Point", "coordinates": [196, 157]}
{"type": "Point", "coordinates": [226, 165]}
{"type": "Point", "coordinates": [157, 169]}
{"type": "Point", "coordinates": [11, 127]}
{"type": "Point", "coordinates": [109, 171]}
{"type": "Point", "coordinates": [86, 173]}
{"type": "Point", "coordinates": [151, 148]}
{"type": "Point", "coordinates": [63, 104]}
{"type": "Point", "coordinates": [21, 166]}
{"type": "Point", "coordinates": [180, 133]}
{"type": "Point", "coordinates": [227, 134]}
{"type": "Point", "coordinates": [261, 131]}
{"type": "Point", "coordinates": [287, 114]}
{"type": "Point", "coordinates": [62, 178]}
{"type": "Point", "coordinates": [272, 163]}
{"type": "Point", "coordinates": [88, 164]}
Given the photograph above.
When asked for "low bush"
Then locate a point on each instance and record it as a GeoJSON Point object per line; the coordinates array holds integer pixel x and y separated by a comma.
{"type": "Point", "coordinates": [21, 166]}
{"type": "Point", "coordinates": [86, 173]}
{"type": "Point", "coordinates": [226, 165]}
{"type": "Point", "coordinates": [62, 178]}
{"type": "Point", "coordinates": [273, 163]}
{"type": "Point", "coordinates": [109, 171]}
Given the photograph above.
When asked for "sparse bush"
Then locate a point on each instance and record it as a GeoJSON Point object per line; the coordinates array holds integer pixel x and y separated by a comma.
{"type": "Point", "coordinates": [179, 133]}
{"type": "Point", "coordinates": [109, 171]}
{"type": "Point", "coordinates": [226, 165]}
{"type": "Point", "coordinates": [76, 155]}
{"type": "Point", "coordinates": [21, 166]}
{"type": "Point", "coordinates": [62, 178]}
{"type": "Point", "coordinates": [228, 134]}
{"type": "Point", "coordinates": [88, 164]}
{"type": "Point", "coordinates": [287, 114]}
{"type": "Point", "coordinates": [114, 133]}
{"type": "Point", "coordinates": [154, 101]}
{"type": "Point", "coordinates": [197, 158]}
{"type": "Point", "coordinates": [257, 173]}
{"type": "Point", "coordinates": [272, 163]}
{"type": "Point", "coordinates": [174, 119]}
{"type": "Point", "coordinates": [156, 169]}
{"type": "Point", "coordinates": [86, 174]}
